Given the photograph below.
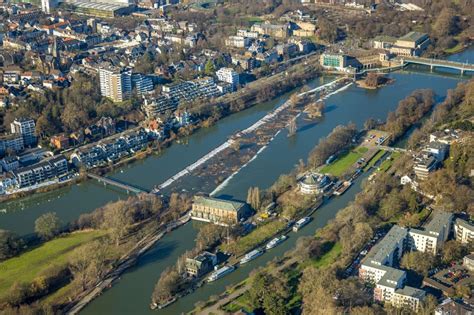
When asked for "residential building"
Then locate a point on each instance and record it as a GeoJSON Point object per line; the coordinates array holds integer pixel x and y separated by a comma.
{"type": "Point", "coordinates": [142, 83]}
{"type": "Point", "coordinates": [218, 211]}
{"type": "Point", "coordinates": [463, 231]}
{"type": "Point", "coordinates": [60, 142]}
{"type": "Point", "coordinates": [384, 254]}
{"type": "Point", "coordinates": [447, 136]}
{"type": "Point", "coordinates": [408, 297]}
{"type": "Point", "coordinates": [468, 262]}
{"type": "Point", "coordinates": [314, 183]}
{"type": "Point", "coordinates": [40, 172]}
{"type": "Point", "coordinates": [11, 142]}
{"type": "Point", "coordinates": [26, 128]}
{"type": "Point", "coordinates": [433, 235]}
{"type": "Point", "coordinates": [111, 149]}
{"type": "Point", "coordinates": [48, 5]}
{"type": "Point", "coordinates": [437, 149]}
{"type": "Point", "coordinates": [378, 268]}
{"type": "Point", "coordinates": [115, 83]}
{"type": "Point", "coordinates": [246, 33]}
{"type": "Point", "coordinates": [424, 165]}
{"type": "Point", "coordinates": [10, 163]}
{"type": "Point", "coordinates": [274, 30]}
{"type": "Point", "coordinates": [201, 264]}
{"type": "Point", "coordinates": [450, 307]}
{"type": "Point", "coordinates": [238, 41]}
{"type": "Point", "coordinates": [228, 75]}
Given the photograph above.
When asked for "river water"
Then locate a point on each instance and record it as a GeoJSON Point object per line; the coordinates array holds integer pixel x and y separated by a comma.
{"type": "Point", "coordinates": [132, 294]}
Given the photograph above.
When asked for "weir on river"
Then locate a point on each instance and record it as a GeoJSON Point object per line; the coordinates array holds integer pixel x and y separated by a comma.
{"type": "Point", "coordinates": [266, 119]}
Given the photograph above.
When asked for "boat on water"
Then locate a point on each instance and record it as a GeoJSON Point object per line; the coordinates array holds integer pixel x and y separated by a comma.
{"type": "Point", "coordinates": [219, 273]}
{"type": "Point", "coordinates": [342, 188]}
{"type": "Point", "coordinates": [301, 223]}
{"type": "Point", "coordinates": [277, 240]}
{"type": "Point", "coordinates": [251, 256]}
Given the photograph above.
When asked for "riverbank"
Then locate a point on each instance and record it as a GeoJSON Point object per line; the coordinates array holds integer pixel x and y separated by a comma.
{"type": "Point", "coordinates": [129, 260]}
{"type": "Point", "coordinates": [363, 84]}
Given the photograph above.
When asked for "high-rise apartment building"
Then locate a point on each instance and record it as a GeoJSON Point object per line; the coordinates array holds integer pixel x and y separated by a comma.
{"type": "Point", "coordinates": [115, 83]}
{"type": "Point", "coordinates": [26, 128]}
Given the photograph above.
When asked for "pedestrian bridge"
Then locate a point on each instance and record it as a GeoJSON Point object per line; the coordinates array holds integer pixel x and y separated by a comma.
{"type": "Point", "coordinates": [116, 183]}
{"type": "Point", "coordinates": [437, 63]}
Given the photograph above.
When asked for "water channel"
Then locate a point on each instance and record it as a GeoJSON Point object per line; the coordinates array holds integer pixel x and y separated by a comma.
{"type": "Point", "coordinates": [132, 294]}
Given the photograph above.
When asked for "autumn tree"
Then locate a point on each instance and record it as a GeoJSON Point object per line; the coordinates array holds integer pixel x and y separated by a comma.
{"type": "Point", "coordinates": [47, 225]}
{"type": "Point", "coordinates": [269, 292]}
{"type": "Point", "coordinates": [88, 264]}
{"type": "Point", "coordinates": [254, 198]}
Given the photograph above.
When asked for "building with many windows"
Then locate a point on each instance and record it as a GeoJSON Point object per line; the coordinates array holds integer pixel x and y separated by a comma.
{"type": "Point", "coordinates": [314, 183]}
{"type": "Point", "coordinates": [115, 83]}
{"type": "Point", "coordinates": [218, 211]}
{"type": "Point", "coordinates": [333, 61]}
{"type": "Point", "coordinates": [26, 128]}
{"type": "Point", "coordinates": [40, 172]}
{"type": "Point", "coordinates": [463, 231]}
{"type": "Point", "coordinates": [433, 235]}
{"type": "Point", "coordinates": [142, 83]}
{"type": "Point", "coordinates": [228, 75]}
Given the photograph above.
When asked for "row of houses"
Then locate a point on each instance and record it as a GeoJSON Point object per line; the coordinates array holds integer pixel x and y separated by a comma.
{"type": "Point", "coordinates": [379, 267]}
{"type": "Point", "coordinates": [186, 91]}
{"type": "Point", "coordinates": [49, 169]}
{"type": "Point", "coordinates": [111, 149]}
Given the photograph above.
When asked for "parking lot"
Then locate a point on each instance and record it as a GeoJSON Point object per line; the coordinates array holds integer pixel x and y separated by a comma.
{"type": "Point", "coordinates": [455, 274]}
{"type": "Point", "coordinates": [375, 137]}
{"type": "Point", "coordinates": [353, 269]}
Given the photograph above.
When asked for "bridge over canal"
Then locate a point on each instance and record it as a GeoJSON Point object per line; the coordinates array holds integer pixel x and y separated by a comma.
{"type": "Point", "coordinates": [116, 183]}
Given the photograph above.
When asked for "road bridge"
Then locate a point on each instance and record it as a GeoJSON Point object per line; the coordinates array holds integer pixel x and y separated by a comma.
{"type": "Point", "coordinates": [116, 183]}
{"type": "Point", "coordinates": [437, 63]}
{"type": "Point", "coordinates": [391, 149]}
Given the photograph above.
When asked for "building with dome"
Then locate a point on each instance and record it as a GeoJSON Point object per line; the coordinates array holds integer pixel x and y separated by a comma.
{"type": "Point", "coordinates": [313, 183]}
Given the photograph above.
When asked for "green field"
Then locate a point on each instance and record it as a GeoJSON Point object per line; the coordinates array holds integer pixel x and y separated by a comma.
{"type": "Point", "coordinates": [29, 265]}
{"type": "Point", "coordinates": [329, 257]}
{"type": "Point", "coordinates": [341, 165]}
{"type": "Point", "coordinates": [374, 159]}
{"type": "Point", "coordinates": [254, 238]}
{"type": "Point", "coordinates": [385, 166]}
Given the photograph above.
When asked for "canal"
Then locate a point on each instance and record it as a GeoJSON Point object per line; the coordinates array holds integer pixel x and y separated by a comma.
{"type": "Point", "coordinates": [131, 295]}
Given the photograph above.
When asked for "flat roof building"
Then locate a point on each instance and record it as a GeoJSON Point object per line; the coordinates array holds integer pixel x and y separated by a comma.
{"type": "Point", "coordinates": [463, 231]}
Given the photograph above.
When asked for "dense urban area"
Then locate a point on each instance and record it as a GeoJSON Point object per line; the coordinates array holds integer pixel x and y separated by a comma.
{"type": "Point", "coordinates": [375, 217]}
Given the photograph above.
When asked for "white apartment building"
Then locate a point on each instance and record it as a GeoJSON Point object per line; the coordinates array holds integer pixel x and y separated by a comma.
{"type": "Point", "coordinates": [408, 297]}
{"type": "Point", "coordinates": [434, 234]}
{"type": "Point", "coordinates": [26, 128]}
{"type": "Point", "coordinates": [228, 75]}
{"type": "Point", "coordinates": [238, 41]}
{"type": "Point", "coordinates": [115, 83]}
{"type": "Point", "coordinates": [246, 33]}
{"type": "Point", "coordinates": [463, 231]}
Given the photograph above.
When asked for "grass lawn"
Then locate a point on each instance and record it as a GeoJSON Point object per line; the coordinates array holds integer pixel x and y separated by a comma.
{"type": "Point", "coordinates": [253, 19]}
{"type": "Point", "coordinates": [385, 166]}
{"type": "Point", "coordinates": [329, 257]}
{"type": "Point", "coordinates": [240, 303]}
{"type": "Point", "coordinates": [254, 238]}
{"type": "Point", "coordinates": [342, 164]}
{"type": "Point", "coordinates": [374, 159]}
{"type": "Point", "coordinates": [29, 265]}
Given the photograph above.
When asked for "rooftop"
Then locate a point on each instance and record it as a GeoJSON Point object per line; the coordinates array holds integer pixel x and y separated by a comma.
{"type": "Point", "coordinates": [413, 36]}
{"type": "Point", "coordinates": [412, 292]}
{"type": "Point", "coordinates": [465, 224]}
{"type": "Point", "coordinates": [219, 203]}
{"type": "Point", "coordinates": [438, 221]}
{"type": "Point", "coordinates": [392, 277]}
{"type": "Point", "coordinates": [385, 247]}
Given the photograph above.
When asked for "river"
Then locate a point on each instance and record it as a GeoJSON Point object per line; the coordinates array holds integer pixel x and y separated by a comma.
{"type": "Point", "coordinates": [132, 293]}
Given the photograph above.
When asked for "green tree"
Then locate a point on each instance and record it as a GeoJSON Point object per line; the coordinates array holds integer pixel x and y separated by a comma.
{"type": "Point", "coordinates": [10, 244]}
{"type": "Point", "coordinates": [209, 68]}
{"type": "Point", "coordinates": [419, 262]}
{"type": "Point", "coordinates": [48, 225]}
{"type": "Point", "coordinates": [269, 292]}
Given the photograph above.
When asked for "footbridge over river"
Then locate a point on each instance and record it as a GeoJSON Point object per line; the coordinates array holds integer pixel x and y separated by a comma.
{"type": "Point", "coordinates": [437, 63]}
{"type": "Point", "coordinates": [116, 183]}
